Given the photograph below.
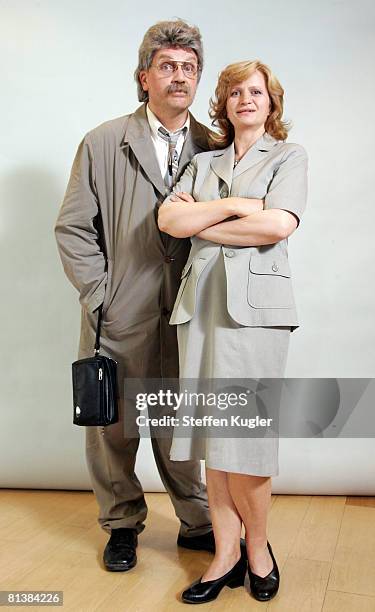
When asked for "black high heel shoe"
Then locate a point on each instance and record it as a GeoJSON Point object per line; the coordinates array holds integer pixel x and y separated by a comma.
{"type": "Point", "coordinates": [202, 592]}
{"type": "Point", "coordinates": [265, 588]}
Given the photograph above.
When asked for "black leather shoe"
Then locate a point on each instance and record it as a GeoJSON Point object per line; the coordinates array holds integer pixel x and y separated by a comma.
{"type": "Point", "coordinates": [204, 542]}
{"type": "Point", "coordinates": [265, 588]}
{"type": "Point", "coordinates": [119, 554]}
{"type": "Point", "coordinates": [201, 542]}
{"type": "Point", "coordinates": [202, 592]}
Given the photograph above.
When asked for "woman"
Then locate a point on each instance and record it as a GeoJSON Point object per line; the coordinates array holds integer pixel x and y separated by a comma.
{"type": "Point", "coordinates": [235, 308]}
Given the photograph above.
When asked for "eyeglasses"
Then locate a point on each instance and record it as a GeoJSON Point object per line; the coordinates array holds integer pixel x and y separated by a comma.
{"type": "Point", "coordinates": [167, 68]}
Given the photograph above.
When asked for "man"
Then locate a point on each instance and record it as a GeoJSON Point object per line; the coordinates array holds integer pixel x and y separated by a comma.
{"type": "Point", "coordinates": [114, 254]}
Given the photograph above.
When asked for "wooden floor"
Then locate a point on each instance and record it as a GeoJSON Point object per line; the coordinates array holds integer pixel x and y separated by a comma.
{"type": "Point", "coordinates": [50, 540]}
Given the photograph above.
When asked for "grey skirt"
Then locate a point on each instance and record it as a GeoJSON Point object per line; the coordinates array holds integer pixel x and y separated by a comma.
{"type": "Point", "coordinates": [213, 345]}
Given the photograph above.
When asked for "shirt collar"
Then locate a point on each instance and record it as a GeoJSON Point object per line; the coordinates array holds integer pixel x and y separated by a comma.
{"type": "Point", "coordinates": [155, 123]}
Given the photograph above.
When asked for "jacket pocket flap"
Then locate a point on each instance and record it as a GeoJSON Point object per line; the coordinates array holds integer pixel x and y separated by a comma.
{"type": "Point", "coordinates": [276, 266]}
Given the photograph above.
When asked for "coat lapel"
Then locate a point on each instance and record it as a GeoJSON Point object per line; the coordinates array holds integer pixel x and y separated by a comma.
{"type": "Point", "coordinates": [222, 164]}
{"type": "Point", "coordinates": [196, 142]}
{"type": "Point", "coordinates": [255, 154]}
{"type": "Point", "coordinates": [138, 138]}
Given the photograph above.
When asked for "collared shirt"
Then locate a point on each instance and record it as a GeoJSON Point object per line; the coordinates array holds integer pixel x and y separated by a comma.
{"type": "Point", "coordinates": [161, 145]}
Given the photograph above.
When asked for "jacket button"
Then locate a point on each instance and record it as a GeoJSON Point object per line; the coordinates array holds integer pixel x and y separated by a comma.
{"type": "Point", "coordinates": [168, 259]}
{"type": "Point", "coordinates": [275, 267]}
{"type": "Point", "coordinates": [229, 253]}
{"type": "Point", "coordinates": [165, 312]}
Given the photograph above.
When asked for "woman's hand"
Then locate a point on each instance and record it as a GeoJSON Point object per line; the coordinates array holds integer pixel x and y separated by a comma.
{"type": "Point", "coordinates": [242, 207]}
{"type": "Point", "coordinates": [182, 196]}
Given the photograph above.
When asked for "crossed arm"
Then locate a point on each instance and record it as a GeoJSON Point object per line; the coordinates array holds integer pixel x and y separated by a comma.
{"type": "Point", "coordinates": [233, 220]}
{"type": "Point", "coordinates": [240, 221]}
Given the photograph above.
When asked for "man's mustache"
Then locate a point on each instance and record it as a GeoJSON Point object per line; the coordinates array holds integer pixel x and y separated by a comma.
{"type": "Point", "coordinates": [178, 87]}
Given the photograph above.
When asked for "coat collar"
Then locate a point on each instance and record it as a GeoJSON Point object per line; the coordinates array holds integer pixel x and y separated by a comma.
{"type": "Point", "coordinates": [138, 137]}
{"type": "Point", "coordinates": [222, 161]}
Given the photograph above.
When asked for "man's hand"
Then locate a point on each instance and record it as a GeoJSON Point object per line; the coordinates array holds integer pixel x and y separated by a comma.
{"type": "Point", "coordinates": [182, 196]}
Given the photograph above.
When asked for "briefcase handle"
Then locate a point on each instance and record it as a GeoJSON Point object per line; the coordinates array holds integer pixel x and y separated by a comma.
{"type": "Point", "coordinates": [97, 338]}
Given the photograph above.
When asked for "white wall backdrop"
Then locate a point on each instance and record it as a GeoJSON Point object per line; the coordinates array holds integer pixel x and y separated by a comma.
{"type": "Point", "coordinates": [68, 66]}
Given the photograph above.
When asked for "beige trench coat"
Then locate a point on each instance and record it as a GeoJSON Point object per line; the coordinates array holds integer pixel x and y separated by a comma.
{"type": "Point", "coordinates": [119, 257]}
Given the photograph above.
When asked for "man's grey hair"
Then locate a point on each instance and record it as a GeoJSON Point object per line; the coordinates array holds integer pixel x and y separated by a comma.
{"type": "Point", "coordinates": [167, 34]}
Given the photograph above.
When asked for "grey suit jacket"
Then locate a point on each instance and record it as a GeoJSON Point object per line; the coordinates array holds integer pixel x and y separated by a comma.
{"type": "Point", "coordinates": [259, 285]}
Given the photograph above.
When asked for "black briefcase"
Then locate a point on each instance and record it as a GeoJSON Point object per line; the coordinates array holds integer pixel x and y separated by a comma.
{"type": "Point", "coordinates": [95, 387]}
